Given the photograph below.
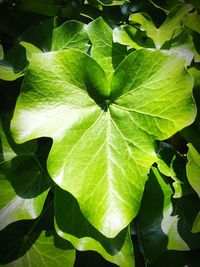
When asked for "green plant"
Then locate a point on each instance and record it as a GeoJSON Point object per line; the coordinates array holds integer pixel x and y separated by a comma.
{"type": "Point", "coordinates": [99, 133]}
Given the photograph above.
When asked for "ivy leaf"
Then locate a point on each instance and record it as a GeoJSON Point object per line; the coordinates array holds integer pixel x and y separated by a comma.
{"type": "Point", "coordinates": [108, 54]}
{"type": "Point", "coordinates": [46, 36]}
{"type": "Point", "coordinates": [193, 174]}
{"type": "Point", "coordinates": [70, 34]}
{"type": "Point", "coordinates": [192, 21]}
{"type": "Point", "coordinates": [7, 73]}
{"type": "Point", "coordinates": [27, 244]}
{"type": "Point", "coordinates": [40, 35]}
{"type": "Point", "coordinates": [164, 223]}
{"type": "Point", "coordinates": [103, 146]}
{"type": "Point", "coordinates": [84, 236]}
{"type": "Point", "coordinates": [182, 45]}
{"type": "Point", "coordinates": [193, 168]}
{"type": "Point", "coordinates": [30, 50]}
{"type": "Point", "coordinates": [127, 35]}
{"type": "Point", "coordinates": [23, 184]}
{"type": "Point", "coordinates": [165, 31]}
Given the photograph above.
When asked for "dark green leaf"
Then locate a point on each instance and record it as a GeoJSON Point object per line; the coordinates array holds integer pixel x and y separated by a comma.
{"type": "Point", "coordinates": [163, 223]}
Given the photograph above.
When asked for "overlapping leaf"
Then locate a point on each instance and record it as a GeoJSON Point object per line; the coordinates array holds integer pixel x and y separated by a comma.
{"type": "Point", "coordinates": [43, 37]}
{"type": "Point", "coordinates": [24, 185]}
{"type": "Point", "coordinates": [27, 243]}
{"type": "Point", "coordinates": [164, 32]}
{"type": "Point", "coordinates": [164, 224]}
{"type": "Point", "coordinates": [72, 225]}
{"type": "Point", "coordinates": [193, 173]}
{"type": "Point", "coordinates": [103, 138]}
{"type": "Point", "coordinates": [108, 54]}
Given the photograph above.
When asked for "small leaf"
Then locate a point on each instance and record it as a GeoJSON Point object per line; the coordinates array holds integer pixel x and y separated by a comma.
{"type": "Point", "coordinates": [193, 168]}
{"type": "Point", "coordinates": [40, 35]}
{"type": "Point", "coordinates": [84, 236]}
{"type": "Point", "coordinates": [193, 174]}
{"type": "Point", "coordinates": [7, 73]}
{"type": "Point", "coordinates": [13, 64]}
{"type": "Point", "coordinates": [27, 244]}
{"type": "Point", "coordinates": [126, 35]}
{"type": "Point", "coordinates": [182, 45]}
{"type": "Point", "coordinates": [70, 34]}
{"type": "Point", "coordinates": [165, 32]}
{"type": "Point", "coordinates": [192, 21]}
{"type": "Point", "coordinates": [23, 185]}
{"type": "Point", "coordinates": [30, 49]}
{"type": "Point", "coordinates": [164, 223]}
{"type": "Point", "coordinates": [107, 54]}
{"type": "Point", "coordinates": [168, 171]}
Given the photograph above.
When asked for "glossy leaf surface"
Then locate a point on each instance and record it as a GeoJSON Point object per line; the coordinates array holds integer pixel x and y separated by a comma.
{"type": "Point", "coordinates": [193, 173]}
{"type": "Point", "coordinates": [74, 227]}
{"type": "Point", "coordinates": [164, 224]}
{"type": "Point", "coordinates": [70, 34]}
{"type": "Point", "coordinates": [31, 246]}
{"type": "Point", "coordinates": [103, 146]}
{"type": "Point", "coordinates": [165, 31]}
{"type": "Point", "coordinates": [23, 184]}
{"type": "Point", "coordinates": [108, 54]}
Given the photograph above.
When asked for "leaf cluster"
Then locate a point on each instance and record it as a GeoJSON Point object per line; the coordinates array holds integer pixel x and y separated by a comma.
{"type": "Point", "coordinates": [99, 133]}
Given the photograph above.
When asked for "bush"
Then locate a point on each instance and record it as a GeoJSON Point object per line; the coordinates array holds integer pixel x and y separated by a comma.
{"type": "Point", "coordinates": [99, 129]}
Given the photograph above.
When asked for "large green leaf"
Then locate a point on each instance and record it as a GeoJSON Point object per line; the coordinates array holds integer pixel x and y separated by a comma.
{"type": "Point", "coordinates": [74, 227]}
{"type": "Point", "coordinates": [23, 183]}
{"type": "Point", "coordinates": [103, 146]}
{"type": "Point", "coordinates": [193, 174]}
{"type": "Point", "coordinates": [165, 31]}
{"type": "Point", "coordinates": [164, 223]}
{"type": "Point", "coordinates": [108, 54]}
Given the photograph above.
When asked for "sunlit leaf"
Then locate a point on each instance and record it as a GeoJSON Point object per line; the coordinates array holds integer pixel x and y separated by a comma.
{"type": "Point", "coordinates": [165, 224]}
{"type": "Point", "coordinates": [165, 31]}
{"type": "Point", "coordinates": [84, 236]}
{"type": "Point", "coordinates": [193, 168]}
{"type": "Point", "coordinates": [126, 35]}
{"type": "Point", "coordinates": [192, 21]}
{"type": "Point", "coordinates": [103, 146]}
{"type": "Point", "coordinates": [27, 244]}
{"type": "Point", "coordinates": [23, 184]}
{"type": "Point", "coordinates": [70, 34]}
{"type": "Point", "coordinates": [108, 54]}
{"type": "Point", "coordinates": [193, 174]}
{"type": "Point", "coordinates": [7, 73]}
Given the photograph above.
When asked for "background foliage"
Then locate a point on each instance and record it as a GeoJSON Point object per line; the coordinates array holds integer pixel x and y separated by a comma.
{"type": "Point", "coordinates": [99, 127]}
